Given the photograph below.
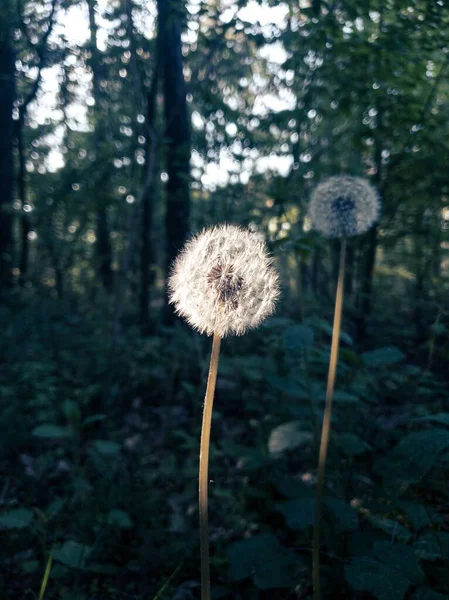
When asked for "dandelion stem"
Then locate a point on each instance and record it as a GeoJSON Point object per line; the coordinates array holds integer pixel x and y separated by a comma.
{"type": "Point", "coordinates": [327, 423]}
{"type": "Point", "coordinates": [204, 467]}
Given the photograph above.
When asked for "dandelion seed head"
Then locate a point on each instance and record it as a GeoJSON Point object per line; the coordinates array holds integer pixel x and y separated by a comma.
{"type": "Point", "coordinates": [344, 206]}
{"type": "Point", "coordinates": [223, 281]}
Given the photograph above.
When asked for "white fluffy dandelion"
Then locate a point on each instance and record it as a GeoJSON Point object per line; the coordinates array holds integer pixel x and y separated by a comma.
{"type": "Point", "coordinates": [340, 207]}
{"type": "Point", "coordinates": [223, 282]}
{"type": "Point", "coordinates": [344, 206]}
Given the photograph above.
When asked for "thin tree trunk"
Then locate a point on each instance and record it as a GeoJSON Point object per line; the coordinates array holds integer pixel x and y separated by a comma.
{"type": "Point", "coordinates": [147, 213]}
{"type": "Point", "coordinates": [103, 246]}
{"type": "Point", "coordinates": [316, 264]}
{"type": "Point", "coordinates": [177, 133]}
{"type": "Point", "coordinates": [350, 268]}
{"type": "Point", "coordinates": [7, 95]}
{"type": "Point", "coordinates": [367, 278]}
{"type": "Point", "coordinates": [25, 219]}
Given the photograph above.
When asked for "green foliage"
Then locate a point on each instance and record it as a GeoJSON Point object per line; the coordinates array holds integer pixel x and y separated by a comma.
{"type": "Point", "coordinates": [387, 574]}
{"type": "Point", "coordinates": [18, 518]}
{"type": "Point", "coordinates": [264, 559]}
{"type": "Point", "coordinates": [72, 554]}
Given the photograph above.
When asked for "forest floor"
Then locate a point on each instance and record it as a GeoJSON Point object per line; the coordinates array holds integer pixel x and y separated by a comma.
{"type": "Point", "coordinates": [99, 460]}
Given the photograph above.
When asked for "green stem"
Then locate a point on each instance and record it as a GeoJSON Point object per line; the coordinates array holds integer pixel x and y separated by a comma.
{"type": "Point", "coordinates": [327, 424]}
{"type": "Point", "coordinates": [204, 467]}
{"type": "Point", "coordinates": [46, 576]}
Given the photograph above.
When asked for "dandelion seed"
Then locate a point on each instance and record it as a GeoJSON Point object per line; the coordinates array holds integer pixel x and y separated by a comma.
{"type": "Point", "coordinates": [344, 206]}
{"type": "Point", "coordinates": [223, 281]}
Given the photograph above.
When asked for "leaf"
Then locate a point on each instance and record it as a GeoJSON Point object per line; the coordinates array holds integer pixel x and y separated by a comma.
{"type": "Point", "coordinates": [299, 513]}
{"type": "Point", "coordinates": [428, 547]}
{"type": "Point", "coordinates": [345, 397]}
{"type": "Point", "coordinates": [352, 445]}
{"type": "Point", "coordinates": [382, 357]}
{"type": "Point", "coordinates": [298, 337]}
{"type": "Point", "coordinates": [411, 460]}
{"type": "Point", "coordinates": [418, 515]}
{"type": "Point", "coordinates": [391, 527]}
{"type": "Point", "coordinates": [427, 593]}
{"type": "Point", "coordinates": [288, 436]}
{"type": "Point", "coordinates": [440, 418]}
{"type": "Point", "coordinates": [344, 517]}
{"type": "Point", "coordinates": [263, 558]}
{"type": "Point", "coordinates": [72, 554]}
{"type": "Point", "coordinates": [54, 508]}
{"type": "Point", "coordinates": [107, 448]}
{"type": "Point", "coordinates": [51, 432]}
{"type": "Point", "coordinates": [17, 518]}
{"type": "Point", "coordinates": [119, 518]}
{"type": "Point", "coordinates": [71, 411]}
{"type": "Point", "coordinates": [290, 387]}
{"type": "Point", "coordinates": [294, 488]}
{"type": "Point", "coordinates": [387, 574]}
{"type": "Point", "coordinates": [94, 419]}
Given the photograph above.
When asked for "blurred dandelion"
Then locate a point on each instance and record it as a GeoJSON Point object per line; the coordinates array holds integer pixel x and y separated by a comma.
{"type": "Point", "coordinates": [222, 283]}
{"type": "Point", "coordinates": [344, 206]}
{"type": "Point", "coordinates": [340, 207]}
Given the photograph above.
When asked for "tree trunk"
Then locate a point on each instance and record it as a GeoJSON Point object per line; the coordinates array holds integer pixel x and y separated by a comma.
{"type": "Point", "coordinates": [7, 95]}
{"type": "Point", "coordinates": [103, 245]}
{"type": "Point", "coordinates": [366, 284]}
{"type": "Point", "coordinates": [147, 211]}
{"type": "Point", "coordinates": [25, 219]}
{"type": "Point", "coordinates": [350, 268]}
{"type": "Point", "coordinates": [177, 132]}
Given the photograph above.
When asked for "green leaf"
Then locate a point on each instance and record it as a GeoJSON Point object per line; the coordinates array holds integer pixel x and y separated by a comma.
{"type": "Point", "coordinates": [352, 445]}
{"type": "Point", "coordinates": [345, 397]}
{"type": "Point", "coordinates": [298, 337]}
{"type": "Point", "coordinates": [72, 554]}
{"type": "Point", "coordinates": [263, 558]}
{"type": "Point", "coordinates": [54, 508]}
{"type": "Point", "coordinates": [17, 518]}
{"type": "Point", "coordinates": [418, 515]}
{"type": "Point", "coordinates": [290, 387]}
{"type": "Point", "coordinates": [440, 418]}
{"type": "Point", "coordinates": [428, 547]}
{"type": "Point", "coordinates": [387, 574]}
{"type": "Point", "coordinates": [288, 436]}
{"type": "Point", "coordinates": [299, 513]}
{"type": "Point", "coordinates": [294, 488]}
{"type": "Point", "coordinates": [344, 517]}
{"type": "Point", "coordinates": [391, 527]}
{"type": "Point", "coordinates": [93, 419]}
{"type": "Point", "coordinates": [412, 459]}
{"type": "Point", "coordinates": [383, 357]}
{"type": "Point", "coordinates": [106, 448]}
{"type": "Point", "coordinates": [119, 518]}
{"type": "Point", "coordinates": [427, 593]}
{"type": "Point", "coordinates": [51, 432]}
{"type": "Point", "coordinates": [71, 411]}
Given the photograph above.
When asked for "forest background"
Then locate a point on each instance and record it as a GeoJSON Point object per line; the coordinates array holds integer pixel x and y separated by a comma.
{"type": "Point", "coordinates": [127, 125]}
